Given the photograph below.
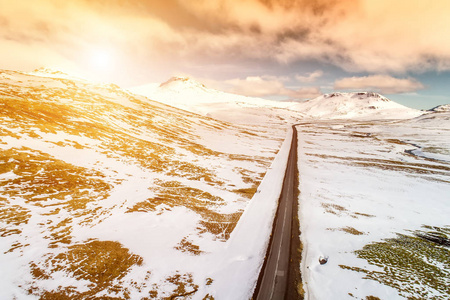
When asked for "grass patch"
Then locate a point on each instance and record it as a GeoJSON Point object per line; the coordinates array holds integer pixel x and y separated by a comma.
{"type": "Point", "coordinates": [333, 208]}
{"type": "Point", "coordinates": [417, 267]}
{"type": "Point", "coordinates": [221, 225]}
{"type": "Point", "coordinates": [13, 217]}
{"type": "Point", "coordinates": [247, 193]}
{"type": "Point", "coordinates": [351, 230]}
{"type": "Point", "coordinates": [392, 165]}
{"type": "Point", "coordinates": [173, 193]}
{"type": "Point", "coordinates": [184, 286]}
{"type": "Point", "coordinates": [102, 263]}
{"type": "Point", "coordinates": [187, 246]}
{"type": "Point", "coordinates": [41, 177]}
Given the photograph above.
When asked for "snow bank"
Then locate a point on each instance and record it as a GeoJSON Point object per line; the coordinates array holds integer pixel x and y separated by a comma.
{"type": "Point", "coordinates": [245, 251]}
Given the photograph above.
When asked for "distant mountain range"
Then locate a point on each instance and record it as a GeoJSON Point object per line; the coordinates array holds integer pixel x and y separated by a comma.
{"type": "Point", "coordinates": [186, 93]}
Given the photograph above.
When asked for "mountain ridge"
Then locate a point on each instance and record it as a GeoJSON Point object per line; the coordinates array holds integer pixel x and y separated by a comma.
{"type": "Point", "coordinates": [441, 108]}
{"type": "Point", "coordinates": [189, 94]}
{"type": "Point", "coordinates": [355, 105]}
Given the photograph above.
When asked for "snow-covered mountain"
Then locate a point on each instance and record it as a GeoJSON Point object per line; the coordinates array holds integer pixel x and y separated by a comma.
{"type": "Point", "coordinates": [441, 108]}
{"type": "Point", "coordinates": [53, 73]}
{"type": "Point", "coordinates": [108, 194]}
{"type": "Point", "coordinates": [361, 105]}
{"type": "Point", "coordinates": [188, 94]}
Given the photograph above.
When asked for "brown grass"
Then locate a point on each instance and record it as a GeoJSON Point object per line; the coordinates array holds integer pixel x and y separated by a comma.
{"type": "Point", "coordinates": [333, 208]}
{"type": "Point", "coordinates": [221, 225]}
{"type": "Point", "coordinates": [99, 262]}
{"type": "Point", "coordinates": [184, 286]}
{"type": "Point", "coordinates": [393, 165]}
{"type": "Point", "coordinates": [41, 177]}
{"type": "Point", "coordinates": [247, 193]}
{"type": "Point", "coordinates": [351, 230]}
{"type": "Point", "coordinates": [187, 246]}
{"type": "Point", "coordinates": [56, 187]}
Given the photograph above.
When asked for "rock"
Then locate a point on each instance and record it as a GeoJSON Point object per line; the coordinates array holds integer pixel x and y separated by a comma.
{"type": "Point", "coordinates": [323, 260]}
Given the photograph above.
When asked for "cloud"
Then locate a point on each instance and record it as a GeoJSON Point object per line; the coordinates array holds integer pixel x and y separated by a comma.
{"type": "Point", "coordinates": [311, 77]}
{"type": "Point", "coordinates": [380, 83]}
{"type": "Point", "coordinates": [355, 35]}
{"type": "Point", "coordinates": [257, 86]}
{"type": "Point", "coordinates": [305, 93]}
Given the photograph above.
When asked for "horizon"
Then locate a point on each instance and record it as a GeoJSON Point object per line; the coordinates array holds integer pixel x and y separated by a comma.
{"type": "Point", "coordinates": [270, 49]}
{"type": "Point", "coordinates": [49, 71]}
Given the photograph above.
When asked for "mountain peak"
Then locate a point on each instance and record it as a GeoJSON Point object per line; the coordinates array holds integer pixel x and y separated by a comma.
{"type": "Point", "coordinates": [44, 70]}
{"type": "Point", "coordinates": [182, 82]}
{"type": "Point", "coordinates": [355, 105]}
{"type": "Point", "coordinates": [441, 108]}
{"type": "Point", "coordinates": [357, 95]}
{"type": "Point", "coordinates": [54, 73]}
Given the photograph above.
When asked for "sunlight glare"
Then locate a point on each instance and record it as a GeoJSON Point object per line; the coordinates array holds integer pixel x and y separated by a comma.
{"type": "Point", "coordinates": [102, 59]}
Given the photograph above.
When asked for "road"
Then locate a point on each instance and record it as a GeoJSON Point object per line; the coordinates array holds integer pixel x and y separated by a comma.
{"type": "Point", "coordinates": [274, 281]}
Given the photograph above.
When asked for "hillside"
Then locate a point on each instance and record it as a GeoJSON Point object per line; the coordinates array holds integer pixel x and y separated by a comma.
{"type": "Point", "coordinates": [104, 193]}
{"type": "Point", "coordinates": [374, 201]}
{"type": "Point", "coordinates": [362, 105]}
{"type": "Point", "coordinates": [190, 95]}
{"type": "Point", "coordinates": [441, 108]}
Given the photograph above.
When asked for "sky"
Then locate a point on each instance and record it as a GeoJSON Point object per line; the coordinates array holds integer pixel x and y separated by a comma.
{"type": "Point", "coordinates": [276, 49]}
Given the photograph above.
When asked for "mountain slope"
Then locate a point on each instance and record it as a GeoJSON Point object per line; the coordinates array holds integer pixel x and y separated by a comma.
{"type": "Point", "coordinates": [354, 106]}
{"type": "Point", "coordinates": [441, 108]}
{"type": "Point", "coordinates": [107, 194]}
{"type": "Point", "coordinates": [190, 95]}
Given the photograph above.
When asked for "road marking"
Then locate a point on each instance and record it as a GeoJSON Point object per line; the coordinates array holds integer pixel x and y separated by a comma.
{"type": "Point", "coordinates": [281, 243]}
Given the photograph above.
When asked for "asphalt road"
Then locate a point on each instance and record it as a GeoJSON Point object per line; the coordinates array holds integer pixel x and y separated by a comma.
{"type": "Point", "coordinates": [273, 279]}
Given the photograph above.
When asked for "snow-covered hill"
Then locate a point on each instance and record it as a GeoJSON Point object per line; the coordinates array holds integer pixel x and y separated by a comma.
{"type": "Point", "coordinates": [362, 105]}
{"type": "Point", "coordinates": [441, 108]}
{"type": "Point", "coordinates": [190, 95]}
{"type": "Point", "coordinates": [374, 197]}
{"type": "Point", "coordinates": [52, 73]}
{"type": "Point", "coordinates": [104, 193]}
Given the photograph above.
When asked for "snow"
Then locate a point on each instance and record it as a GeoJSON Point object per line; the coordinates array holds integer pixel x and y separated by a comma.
{"type": "Point", "coordinates": [53, 73]}
{"type": "Point", "coordinates": [361, 105]}
{"type": "Point", "coordinates": [188, 94]}
{"type": "Point", "coordinates": [369, 176]}
{"type": "Point", "coordinates": [153, 235]}
{"type": "Point", "coordinates": [348, 179]}
{"type": "Point", "coordinates": [245, 251]}
{"type": "Point", "coordinates": [441, 108]}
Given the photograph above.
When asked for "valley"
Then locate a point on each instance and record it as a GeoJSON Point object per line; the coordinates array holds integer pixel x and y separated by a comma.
{"type": "Point", "coordinates": [107, 194]}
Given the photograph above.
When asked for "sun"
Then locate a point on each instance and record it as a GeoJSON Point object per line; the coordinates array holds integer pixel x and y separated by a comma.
{"type": "Point", "coordinates": [102, 59]}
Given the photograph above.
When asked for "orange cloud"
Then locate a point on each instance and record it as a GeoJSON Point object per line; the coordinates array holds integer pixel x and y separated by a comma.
{"type": "Point", "coordinates": [356, 35]}
{"type": "Point", "coordinates": [380, 83]}
{"type": "Point", "coordinates": [257, 86]}
{"type": "Point", "coordinates": [311, 77]}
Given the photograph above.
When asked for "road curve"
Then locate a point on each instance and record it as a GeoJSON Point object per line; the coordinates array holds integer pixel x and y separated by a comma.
{"type": "Point", "coordinates": [273, 281]}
